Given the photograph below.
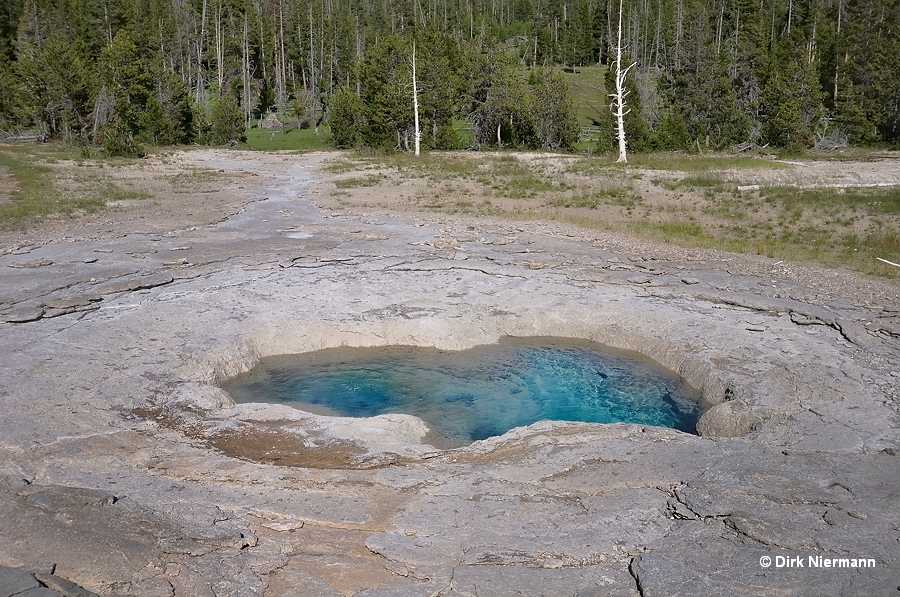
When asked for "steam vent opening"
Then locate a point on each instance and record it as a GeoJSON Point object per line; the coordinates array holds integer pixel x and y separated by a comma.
{"type": "Point", "coordinates": [477, 393]}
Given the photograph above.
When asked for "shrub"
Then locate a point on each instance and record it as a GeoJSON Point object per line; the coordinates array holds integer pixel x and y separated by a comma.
{"type": "Point", "coordinates": [226, 122]}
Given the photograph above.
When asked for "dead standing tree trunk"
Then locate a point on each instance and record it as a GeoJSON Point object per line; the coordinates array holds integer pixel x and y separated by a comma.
{"type": "Point", "coordinates": [220, 50]}
{"type": "Point", "coordinates": [245, 70]}
{"type": "Point", "coordinates": [415, 91]}
{"type": "Point", "coordinates": [201, 96]}
{"type": "Point", "coordinates": [619, 95]}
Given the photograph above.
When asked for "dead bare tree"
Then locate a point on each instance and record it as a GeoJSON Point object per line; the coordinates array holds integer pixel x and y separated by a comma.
{"type": "Point", "coordinates": [619, 95]}
{"type": "Point", "coordinates": [245, 69]}
{"type": "Point", "coordinates": [313, 80]}
{"type": "Point", "coordinates": [415, 91]}
{"type": "Point", "coordinates": [220, 49]}
{"type": "Point", "coordinates": [279, 64]}
{"type": "Point", "coordinates": [201, 96]}
{"type": "Point", "coordinates": [837, 64]}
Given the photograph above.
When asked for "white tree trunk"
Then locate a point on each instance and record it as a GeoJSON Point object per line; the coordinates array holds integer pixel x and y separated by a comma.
{"type": "Point", "coordinates": [220, 49]}
{"type": "Point", "coordinates": [620, 93]}
{"type": "Point", "coordinates": [415, 99]}
{"type": "Point", "coordinates": [282, 105]}
{"type": "Point", "coordinates": [837, 66]}
{"type": "Point", "coordinates": [200, 94]}
{"type": "Point", "coordinates": [245, 70]}
{"type": "Point", "coordinates": [313, 81]}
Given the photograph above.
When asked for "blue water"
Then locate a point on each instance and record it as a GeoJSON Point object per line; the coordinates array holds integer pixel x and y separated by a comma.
{"type": "Point", "coordinates": [478, 393]}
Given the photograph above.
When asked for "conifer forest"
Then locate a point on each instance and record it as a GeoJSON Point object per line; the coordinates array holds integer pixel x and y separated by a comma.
{"type": "Point", "coordinates": [707, 74]}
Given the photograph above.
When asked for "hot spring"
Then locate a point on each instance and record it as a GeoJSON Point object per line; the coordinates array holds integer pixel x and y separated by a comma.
{"type": "Point", "coordinates": [473, 394]}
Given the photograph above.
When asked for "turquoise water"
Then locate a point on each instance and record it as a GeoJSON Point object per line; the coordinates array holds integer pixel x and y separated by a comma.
{"type": "Point", "coordinates": [477, 393]}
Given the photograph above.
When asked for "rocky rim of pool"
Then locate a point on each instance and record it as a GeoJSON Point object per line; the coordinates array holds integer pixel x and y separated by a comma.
{"type": "Point", "coordinates": [125, 464]}
{"type": "Point", "coordinates": [249, 430]}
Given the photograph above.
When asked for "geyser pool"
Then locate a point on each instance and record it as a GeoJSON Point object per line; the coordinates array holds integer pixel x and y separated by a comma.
{"type": "Point", "coordinates": [476, 393]}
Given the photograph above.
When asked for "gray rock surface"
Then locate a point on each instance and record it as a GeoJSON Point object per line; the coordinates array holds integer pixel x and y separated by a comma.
{"type": "Point", "coordinates": [123, 463]}
{"type": "Point", "coordinates": [20, 582]}
{"type": "Point", "coordinates": [16, 580]}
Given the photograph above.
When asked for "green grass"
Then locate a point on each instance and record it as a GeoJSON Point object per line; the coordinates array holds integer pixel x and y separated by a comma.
{"type": "Point", "coordinates": [38, 192]}
{"type": "Point", "coordinates": [684, 162]}
{"type": "Point", "coordinates": [582, 200]}
{"type": "Point", "coordinates": [848, 154]}
{"type": "Point", "coordinates": [435, 167]}
{"type": "Point", "coordinates": [592, 166]}
{"type": "Point", "coordinates": [810, 224]}
{"type": "Point", "coordinates": [711, 184]}
{"type": "Point", "coordinates": [341, 166]}
{"type": "Point", "coordinates": [292, 139]}
{"type": "Point", "coordinates": [502, 176]}
{"type": "Point", "coordinates": [524, 186]}
{"type": "Point", "coordinates": [465, 134]}
{"type": "Point", "coordinates": [817, 224]}
{"type": "Point", "coordinates": [617, 196]}
{"type": "Point", "coordinates": [587, 86]}
{"type": "Point", "coordinates": [364, 181]}
{"type": "Point", "coordinates": [190, 177]}
{"type": "Point", "coordinates": [35, 196]}
{"type": "Point", "coordinates": [674, 230]}
{"type": "Point", "coordinates": [673, 162]}
{"type": "Point", "coordinates": [507, 165]}
{"type": "Point", "coordinates": [879, 200]}
{"type": "Point", "coordinates": [801, 244]}
{"type": "Point", "coordinates": [111, 192]}
{"type": "Point", "coordinates": [725, 212]}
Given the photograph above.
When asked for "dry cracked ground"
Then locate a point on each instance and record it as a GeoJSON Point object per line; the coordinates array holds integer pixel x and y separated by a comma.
{"type": "Point", "coordinates": [125, 470]}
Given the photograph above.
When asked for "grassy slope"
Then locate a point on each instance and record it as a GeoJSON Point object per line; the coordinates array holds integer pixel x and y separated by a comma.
{"type": "Point", "coordinates": [587, 86]}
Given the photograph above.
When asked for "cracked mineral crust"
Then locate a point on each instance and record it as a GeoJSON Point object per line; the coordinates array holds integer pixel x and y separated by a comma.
{"type": "Point", "coordinates": [126, 470]}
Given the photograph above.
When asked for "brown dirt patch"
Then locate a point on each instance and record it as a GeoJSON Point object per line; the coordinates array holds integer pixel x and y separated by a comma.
{"type": "Point", "coordinates": [271, 442]}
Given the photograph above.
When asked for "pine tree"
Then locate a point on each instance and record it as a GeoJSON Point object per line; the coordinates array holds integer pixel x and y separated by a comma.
{"type": "Point", "coordinates": [555, 112]}
{"type": "Point", "coordinates": [385, 76]}
{"type": "Point", "coordinates": [127, 82]}
{"type": "Point", "coordinates": [501, 109]}
{"type": "Point", "coordinates": [440, 89]}
{"type": "Point", "coordinates": [226, 121]}
{"type": "Point", "coordinates": [346, 118]}
{"type": "Point", "coordinates": [868, 60]}
{"type": "Point", "coordinates": [56, 89]}
{"type": "Point", "coordinates": [791, 105]}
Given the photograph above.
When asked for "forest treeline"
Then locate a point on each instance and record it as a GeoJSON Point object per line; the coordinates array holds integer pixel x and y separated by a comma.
{"type": "Point", "coordinates": [708, 74]}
